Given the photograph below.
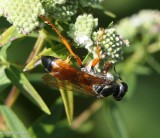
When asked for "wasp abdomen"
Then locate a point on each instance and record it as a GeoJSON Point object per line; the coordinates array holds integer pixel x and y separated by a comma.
{"type": "Point", "coordinates": [47, 62]}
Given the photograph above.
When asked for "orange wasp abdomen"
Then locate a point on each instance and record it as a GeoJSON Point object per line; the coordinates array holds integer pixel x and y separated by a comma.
{"type": "Point", "coordinates": [63, 71]}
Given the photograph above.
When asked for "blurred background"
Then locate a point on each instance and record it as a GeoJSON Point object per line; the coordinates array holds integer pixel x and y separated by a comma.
{"type": "Point", "coordinates": [141, 111]}
{"type": "Point", "coordinates": [137, 115]}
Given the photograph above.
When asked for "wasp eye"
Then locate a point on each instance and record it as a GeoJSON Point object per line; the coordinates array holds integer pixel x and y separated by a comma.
{"type": "Point", "coordinates": [47, 62]}
{"type": "Point", "coordinates": [123, 87]}
{"type": "Point", "coordinates": [119, 94]}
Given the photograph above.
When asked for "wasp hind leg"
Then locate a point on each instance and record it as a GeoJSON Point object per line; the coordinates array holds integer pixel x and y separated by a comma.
{"type": "Point", "coordinates": [63, 39]}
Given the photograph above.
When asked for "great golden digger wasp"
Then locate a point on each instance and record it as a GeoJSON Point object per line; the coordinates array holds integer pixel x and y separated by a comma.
{"type": "Point", "coordinates": [63, 75]}
{"type": "Point", "coordinates": [86, 80]}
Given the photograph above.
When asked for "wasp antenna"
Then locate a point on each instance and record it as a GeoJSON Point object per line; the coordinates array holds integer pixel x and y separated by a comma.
{"type": "Point", "coordinates": [116, 72]}
{"type": "Point", "coordinates": [118, 76]}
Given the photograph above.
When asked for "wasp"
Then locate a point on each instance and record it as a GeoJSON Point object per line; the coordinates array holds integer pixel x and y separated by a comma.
{"type": "Point", "coordinates": [63, 75]}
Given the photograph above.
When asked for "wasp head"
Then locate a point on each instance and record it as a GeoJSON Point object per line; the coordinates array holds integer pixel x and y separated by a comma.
{"type": "Point", "coordinates": [121, 90]}
{"type": "Point", "coordinates": [116, 88]}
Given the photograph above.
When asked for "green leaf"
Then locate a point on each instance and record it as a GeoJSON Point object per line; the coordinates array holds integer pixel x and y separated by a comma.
{"type": "Point", "coordinates": [67, 97]}
{"type": "Point", "coordinates": [20, 80]}
{"type": "Point", "coordinates": [16, 127]}
{"type": "Point", "coordinates": [154, 63]}
{"type": "Point", "coordinates": [9, 35]}
{"type": "Point", "coordinates": [116, 122]}
{"type": "Point", "coordinates": [4, 81]}
{"type": "Point", "coordinates": [109, 13]}
{"type": "Point", "coordinates": [57, 51]}
{"type": "Point", "coordinates": [106, 12]}
{"type": "Point", "coordinates": [3, 52]}
{"type": "Point", "coordinates": [131, 82]}
{"type": "Point", "coordinates": [45, 126]}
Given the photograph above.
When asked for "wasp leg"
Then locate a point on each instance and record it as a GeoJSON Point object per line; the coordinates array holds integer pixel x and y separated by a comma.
{"type": "Point", "coordinates": [63, 39]}
{"type": "Point", "coordinates": [96, 60]}
{"type": "Point", "coordinates": [107, 66]}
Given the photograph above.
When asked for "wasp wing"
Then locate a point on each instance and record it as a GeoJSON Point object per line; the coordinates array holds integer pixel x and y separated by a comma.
{"type": "Point", "coordinates": [66, 85]}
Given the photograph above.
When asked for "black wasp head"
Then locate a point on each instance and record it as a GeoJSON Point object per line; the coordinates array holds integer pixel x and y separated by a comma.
{"type": "Point", "coordinates": [47, 62]}
{"type": "Point", "coordinates": [121, 90]}
{"type": "Point", "coordinates": [117, 88]}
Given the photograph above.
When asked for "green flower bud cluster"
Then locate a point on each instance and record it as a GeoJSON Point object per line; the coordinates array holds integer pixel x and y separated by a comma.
{"type": "Point", "coordinates": [86, 3]}
{"type": "Point", "coordinates": [82, 30]}
{"type": "Point", "coordinates": [110, 43]}
{"type": "Point", "coordinates": [61, 10]}
{"type": "Point", "coordinates": [22, 13]}
{"type": "Point", "coordinates": [52, 3]}
{"type": "Point", "coordinates": [59, 1]}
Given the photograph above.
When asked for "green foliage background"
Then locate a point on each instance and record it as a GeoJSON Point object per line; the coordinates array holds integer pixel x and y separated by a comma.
{"type": "Point", "coordinates": [136, 116]}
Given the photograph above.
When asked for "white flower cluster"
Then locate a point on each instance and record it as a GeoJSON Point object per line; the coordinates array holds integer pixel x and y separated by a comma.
{"type": "Point", "coordinates": [110, 43]}
{"type": "Point", "coordinates": [22, 14]}
{"type": "Point", "coordinates": [82, 30]}
{"type": "Point", "coordinates": [61, 9]}
{"type": "Point", "coordinates": [146, 22]}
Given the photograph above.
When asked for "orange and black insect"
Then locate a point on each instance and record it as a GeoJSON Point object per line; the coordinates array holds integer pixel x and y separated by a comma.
{"type": "Point", "coordinates": [63, 75]}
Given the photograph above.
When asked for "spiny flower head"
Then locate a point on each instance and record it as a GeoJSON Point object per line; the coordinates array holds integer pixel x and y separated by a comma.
{"type": "Point", "coordinates": [22, 14]}
{"type": "Point", "coordinates": [110, 43]}
{"type": "Point", "coordinates": [86, 3]}
{"type": "Point", "coordinates": [82, 30]}
{"type": "Point", "coordinates": [61, 10]}
{"type": "Point", "coordinates": [108, 40]}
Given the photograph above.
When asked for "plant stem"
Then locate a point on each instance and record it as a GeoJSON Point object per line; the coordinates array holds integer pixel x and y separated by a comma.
{"type": "Point", "coordinates": [14, 93]}
{"type": "Point", "coordinates": [86, 114]}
